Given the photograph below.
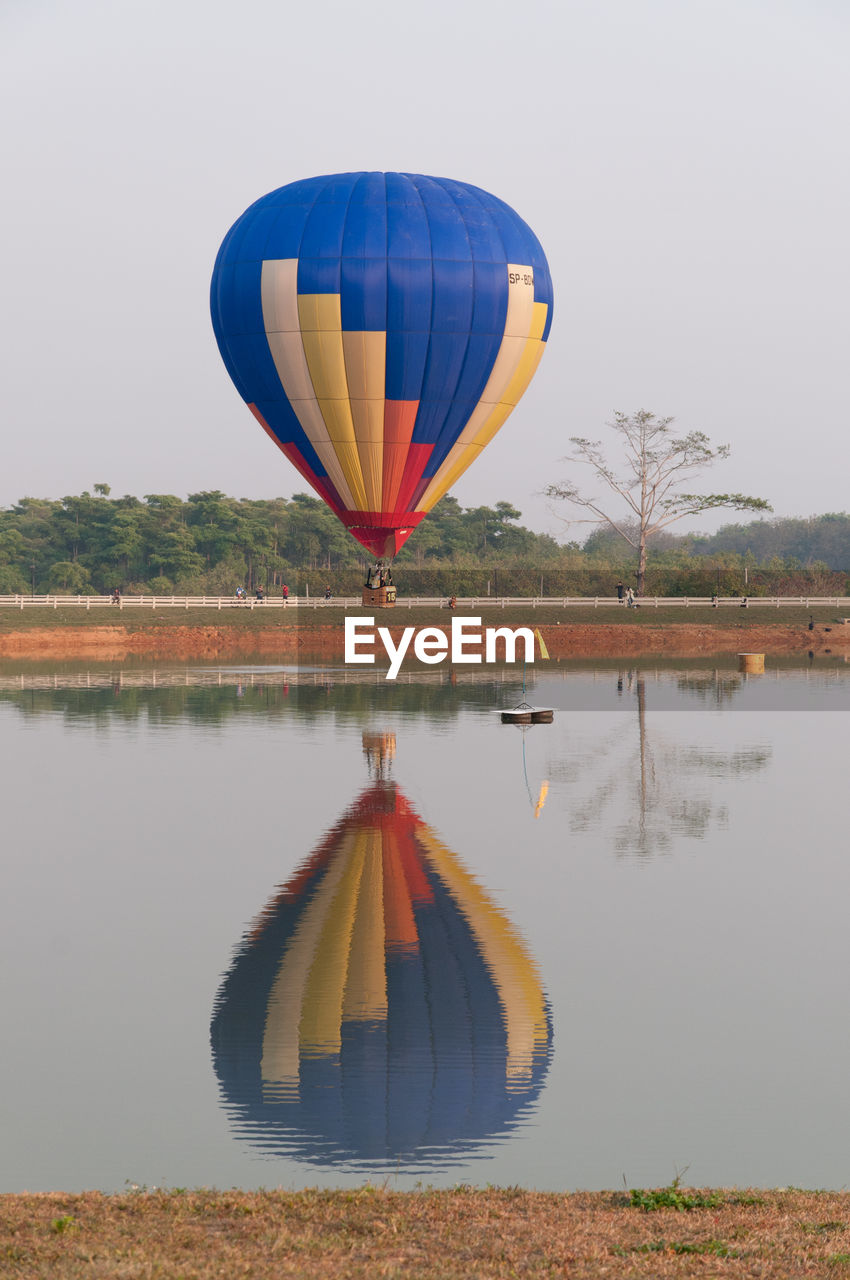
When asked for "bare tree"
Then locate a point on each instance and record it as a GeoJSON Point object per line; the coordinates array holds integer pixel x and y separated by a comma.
{"type": "Point", "coordinates": [657, 467]}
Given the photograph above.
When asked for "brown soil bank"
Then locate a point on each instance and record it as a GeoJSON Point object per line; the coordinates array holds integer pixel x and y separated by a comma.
{"type": "Point", "coordinates": [114, 644]}
{"type": "Point", "coordinates": [686, 640]}
{"type": "Point", "coordinates": [424, 1235]}
{"type": "Point", "coordinates": [563, 639]}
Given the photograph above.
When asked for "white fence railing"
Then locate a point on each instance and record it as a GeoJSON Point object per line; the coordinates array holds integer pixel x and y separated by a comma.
{"type": "Point", "coordinates": [462, 603]}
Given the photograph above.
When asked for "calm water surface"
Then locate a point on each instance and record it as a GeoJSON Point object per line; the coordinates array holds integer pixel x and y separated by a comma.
{"type": "Point", "coordinates": [268, 927]}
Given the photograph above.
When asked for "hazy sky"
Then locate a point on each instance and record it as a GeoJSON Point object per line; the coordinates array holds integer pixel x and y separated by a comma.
{"type": "Point", "coordinates": [683, 162]}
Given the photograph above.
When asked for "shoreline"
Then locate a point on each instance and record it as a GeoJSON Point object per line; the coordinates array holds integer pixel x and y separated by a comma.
{"type": "Point", "coordinates": [564, 639]}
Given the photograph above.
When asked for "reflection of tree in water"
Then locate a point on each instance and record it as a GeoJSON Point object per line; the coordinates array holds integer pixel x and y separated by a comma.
{"type": "Point", "coordinates": [656, 788]}
{"type": "Point", "coordinates": [717, 687]}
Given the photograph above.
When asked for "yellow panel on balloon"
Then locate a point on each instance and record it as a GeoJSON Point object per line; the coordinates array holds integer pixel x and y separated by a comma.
{"type": "Point", "coordinates": [338, 420]}
{"type": "Point", "coordinates": [368, 417]}
{"type": "Point", "coordinates": [459, 458]}
{"type": "Point", "coordinates": [319, 312]}
{"type": "Point", "coordinates": [365, 365]}
{"type": "Point", "coordinates": [280, 1054]}
{"type": "Point", "coordinates": [320, 1031]}
{"type": "Point", "coordinates": [366, 986]}
{"type": "Point", "coordinates": [326, 363]}
{"type": "Point", "coordinates": [370, 454]}
{"type": "Point", "coordinates": [526, 368]}
{"type": "Point", "coordinates": [538, 321]}
{"type": "Point", "coordinates": [348, 457]}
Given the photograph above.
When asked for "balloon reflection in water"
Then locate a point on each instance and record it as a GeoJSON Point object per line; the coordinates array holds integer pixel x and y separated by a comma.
{"type": "Point", "coordinates": [382, 1005]}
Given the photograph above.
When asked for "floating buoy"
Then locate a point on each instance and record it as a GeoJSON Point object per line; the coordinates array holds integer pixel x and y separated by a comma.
{"type": "Point", "coordinates": [519, 715]}
{"type": "Point", "coordinates": [524, 714]}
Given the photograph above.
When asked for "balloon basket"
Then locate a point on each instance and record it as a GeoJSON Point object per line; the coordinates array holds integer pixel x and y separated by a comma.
{"type": "Point", "coordinates": [379, 597]}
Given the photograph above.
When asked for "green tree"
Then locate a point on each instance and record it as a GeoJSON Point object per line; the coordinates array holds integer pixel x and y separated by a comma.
{"type": "Point", "coordinates": [176, 557]}
{"type": "Point", "coordinates": [317, 539]}
{"type": "Point", "coordinates": [455, 535]}
{"type": "Point", "coordinates": [69, 577]}
{"type": "Point", "coordinates": [12, 581]}
{"type": "Point", "coordinates": [213, 520]}
{"type": "Point", "coordinates": [126, 542]}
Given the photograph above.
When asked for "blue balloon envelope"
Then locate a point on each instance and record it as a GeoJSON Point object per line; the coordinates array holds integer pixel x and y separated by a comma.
{"type": "Point", "coordinates": [381, 327]}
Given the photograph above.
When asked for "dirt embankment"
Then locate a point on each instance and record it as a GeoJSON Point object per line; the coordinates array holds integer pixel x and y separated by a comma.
{"type": "Point", "coordinates": [687, 640]}
{"type": "Point", "coordinates": [115, 644]}
{"type": "Point", "coordinates": [579, 640]}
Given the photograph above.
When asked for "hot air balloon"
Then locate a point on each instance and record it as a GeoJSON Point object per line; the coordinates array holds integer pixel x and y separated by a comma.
{"type": "Point", "coordinates": [382, 1007]}
{"type": "Point", "coordinates": [381, 327]}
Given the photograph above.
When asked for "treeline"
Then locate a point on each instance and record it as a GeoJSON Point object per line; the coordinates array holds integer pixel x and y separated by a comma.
{"type": "Point", "coordinates": [211, 543]}
{"type": "Point", "coordinates": [818, 540]}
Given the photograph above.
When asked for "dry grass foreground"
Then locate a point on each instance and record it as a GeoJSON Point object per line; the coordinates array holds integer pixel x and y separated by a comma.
{"type": "Point", "coordinates": [197, 1235]}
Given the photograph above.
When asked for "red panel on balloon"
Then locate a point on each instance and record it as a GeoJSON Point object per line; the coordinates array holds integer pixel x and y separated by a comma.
{"type": "Point", "coordinates": [383, 539]}
{"type": "Point", "coordinates": [399, 421]}
{"type": "Point", "coordinates": [413, 482]}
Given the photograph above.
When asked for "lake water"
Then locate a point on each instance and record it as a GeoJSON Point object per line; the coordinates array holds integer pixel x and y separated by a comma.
{"type": "Point", "coordinates": [286, 927]}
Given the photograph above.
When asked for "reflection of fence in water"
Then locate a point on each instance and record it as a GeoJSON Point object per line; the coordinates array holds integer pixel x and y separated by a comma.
{"type": "Point", "coordinates": [382, 1005]}
{"type": "Point", "coordinates": [236, 677]}
{"type": "Point", "coordinates": [704, 682]}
